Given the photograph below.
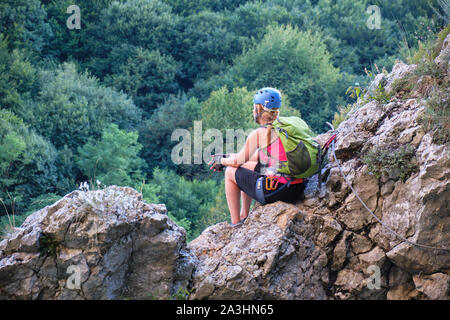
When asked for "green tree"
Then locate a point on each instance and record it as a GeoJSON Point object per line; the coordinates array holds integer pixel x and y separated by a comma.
{"type": "Point", "coordinates": [112, 160]}
{"type": "Point", "coordinates": [228, 110]}
{"type": "Point", "coordinates": [188, 7]}
{"type": "Point", "coordinates": [353, 45]}
{"type": "Point", "coordinates": [177, 112]}
{"type": "Point", "coordinates": [188, 202]}
{"type": "Point", "coordinates": [147, 76]}
{"type": "Point", "coordinates": [27, 164]}
{"type": "Point", "coordinates": [78, 44]}
{"type": "Point", "coordinates": [24, 23]}
{"type": "Point", "coordinates": [149, 24]}
{"type": "Point", "coordinates": [207, 45]}
{"type": "Point", "coordinates": [72, 107]}
{"type": "Point", "coordinates": [251, 19]}
{"type": "Point", "coordinates": [298, 64]}
{"type": "Point", "coordinates": [233, 109]}
{"type": "Point", "coordinates": [17, 77]}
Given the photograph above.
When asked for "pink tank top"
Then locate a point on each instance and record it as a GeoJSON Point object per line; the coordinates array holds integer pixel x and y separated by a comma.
{"type": "Point", "coordinates": [277, 146]}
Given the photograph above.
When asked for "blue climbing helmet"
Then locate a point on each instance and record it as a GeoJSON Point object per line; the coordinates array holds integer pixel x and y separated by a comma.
{"type": "Point", "coordinates": [270, 98]}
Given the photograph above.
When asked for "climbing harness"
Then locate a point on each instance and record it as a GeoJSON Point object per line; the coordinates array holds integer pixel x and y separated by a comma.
{"type": "Point", "coordinates": [259, 192]}
{"type": "Point", "coordinates": [370, 211]}
{"type": "Point", "coordinates": [271, 183]}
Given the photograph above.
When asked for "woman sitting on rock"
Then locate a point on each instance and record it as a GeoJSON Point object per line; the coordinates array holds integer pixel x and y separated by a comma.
{"type": "Point", "coordinates": [252, 173]}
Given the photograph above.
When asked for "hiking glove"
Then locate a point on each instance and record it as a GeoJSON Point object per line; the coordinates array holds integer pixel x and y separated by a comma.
{"type": "Point", "coordinates": [215, 162]}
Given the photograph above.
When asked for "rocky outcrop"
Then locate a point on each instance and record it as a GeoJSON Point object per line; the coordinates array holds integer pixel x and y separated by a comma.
{"type": "Point", "coordinates": [272, 256]}
{"type": "Point", "coordinates": [358, 257]}
{"type": "Point", "coordinates": [106, 244]}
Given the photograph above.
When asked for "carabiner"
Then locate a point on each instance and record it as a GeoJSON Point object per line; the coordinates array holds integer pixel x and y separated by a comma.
{"type": "Point", "coordinates": [270, 186]}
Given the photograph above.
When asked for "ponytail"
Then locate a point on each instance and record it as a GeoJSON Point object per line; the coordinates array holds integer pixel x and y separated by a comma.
{"type": "Point", "coordinates": [269, 133]}
{"type": "Point", "coordinates": [269, 116]}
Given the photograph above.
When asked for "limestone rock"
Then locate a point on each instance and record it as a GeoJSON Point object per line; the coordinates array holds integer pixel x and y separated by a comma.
{"type": "Point", "coordinates": [360, 244]}
{"type": "Point", "coordinates": [400, 70]}
{"type": "Point", "coordinates": [326, 229]}
{"type": "Point", "coordinates": [340, 252]}
{"type": "Point", "coordinates": [405, 291]}
{"type": "Point", "coordinates": [271, 256]}
{"type": "Point", "coordinates": [117, 245]}
{"type": "Point", "coordinates": [435, 286]}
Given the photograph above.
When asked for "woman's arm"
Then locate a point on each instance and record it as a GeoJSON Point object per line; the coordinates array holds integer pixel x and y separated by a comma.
{"type": "Point", "coordinates": [251, 146]}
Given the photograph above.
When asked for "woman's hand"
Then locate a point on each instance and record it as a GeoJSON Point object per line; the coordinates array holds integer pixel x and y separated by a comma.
{"type": "Point", "coordinates": [215, 162]}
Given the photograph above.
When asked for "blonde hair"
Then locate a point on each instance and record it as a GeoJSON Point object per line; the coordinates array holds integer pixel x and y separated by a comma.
{"type": "Point", "coordinates": [268, 116]}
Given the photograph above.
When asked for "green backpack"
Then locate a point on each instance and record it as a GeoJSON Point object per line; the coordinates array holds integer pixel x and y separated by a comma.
{"type": "Point", "coordinates": [302, 152]}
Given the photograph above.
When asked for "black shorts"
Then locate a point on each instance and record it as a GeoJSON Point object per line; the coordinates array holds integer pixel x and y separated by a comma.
{"type": "Point", "coordinates": [246, 181]}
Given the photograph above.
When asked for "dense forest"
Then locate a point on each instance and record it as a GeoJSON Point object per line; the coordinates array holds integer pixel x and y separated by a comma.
{"type": "Point", "coordinates": [98, 102]}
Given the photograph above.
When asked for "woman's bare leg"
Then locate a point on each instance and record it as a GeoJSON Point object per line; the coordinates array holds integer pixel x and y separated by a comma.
{"type": "Point", "coordinates": [246, 199]}
{"type": "Point", "coordinates": [246, 204]}
{"type": "Point", "coordinates": [233, 194]}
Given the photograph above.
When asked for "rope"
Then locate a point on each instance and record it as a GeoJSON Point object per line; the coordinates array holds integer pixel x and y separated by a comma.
{"type": "Point", "coordinates": [370, 211]}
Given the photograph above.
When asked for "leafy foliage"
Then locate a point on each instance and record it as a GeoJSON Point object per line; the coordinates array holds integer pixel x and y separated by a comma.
{"type": "Point", "coordinates": [73, 107]}
{"type": "Point", "coordinates": [392, 160]}
{"type": "Point", "coordinates": [207, 46]}
{"type": "Point", "coordinates": [17, 77]}
{"type": "Point", "coordinates": [112, 160]}
{"type": "Point", "coordinates": [24, 24]}
{"type": "Point", "coordinates": [187, 201]}
{"type": "Point", "coordinates": [177, 112]}
{"type": "Point", "coordinates": [228, 110]}
{"type": "Point", "coordinates": [296, 62]}
{"type": "Point", "coordinates": [27, 163]}
{"type": "Point", "coordinates": [436, 116]}
{"type": "Point", "coordinates": [147, 76]}
{"type": "Point", "coordinates": [149, 24]}
{"type": "Point", "coordinates": [77, 44]}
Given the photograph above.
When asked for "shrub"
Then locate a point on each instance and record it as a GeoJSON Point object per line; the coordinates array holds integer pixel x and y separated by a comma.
{"type": "Point", "coordinates": [381, 95]}
{"type": "Point", "coordinates": [436, 117]}
{"type": "Point", "coordinates": [27, 163]}
{"type": "Point", "coordinates": [114, 159]}
{"type": "Point", "coordinates": [342, 114]}
{"type": "Point", "coordinates": [147, 76]}
{"type": "Point", "coordinates": [426, 53]}
{"type": "Point", "coordinates": [72, 107]}
{"type": "Point", "coordinates": [293, 61]}
{"type": "Point", "coordinates": [188, 202]}
{"type": "Point", "coordinates": [395, 161]}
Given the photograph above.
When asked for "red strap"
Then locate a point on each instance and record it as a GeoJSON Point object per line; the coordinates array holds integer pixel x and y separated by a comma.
{"type": "Point", "coordinates": [327, 144]}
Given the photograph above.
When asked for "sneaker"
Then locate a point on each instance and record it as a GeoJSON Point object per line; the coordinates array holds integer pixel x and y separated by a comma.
{"type": "Point", "coordinates": [236, 224]}
{"type": "Point", "coordinates": [239, 223]}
